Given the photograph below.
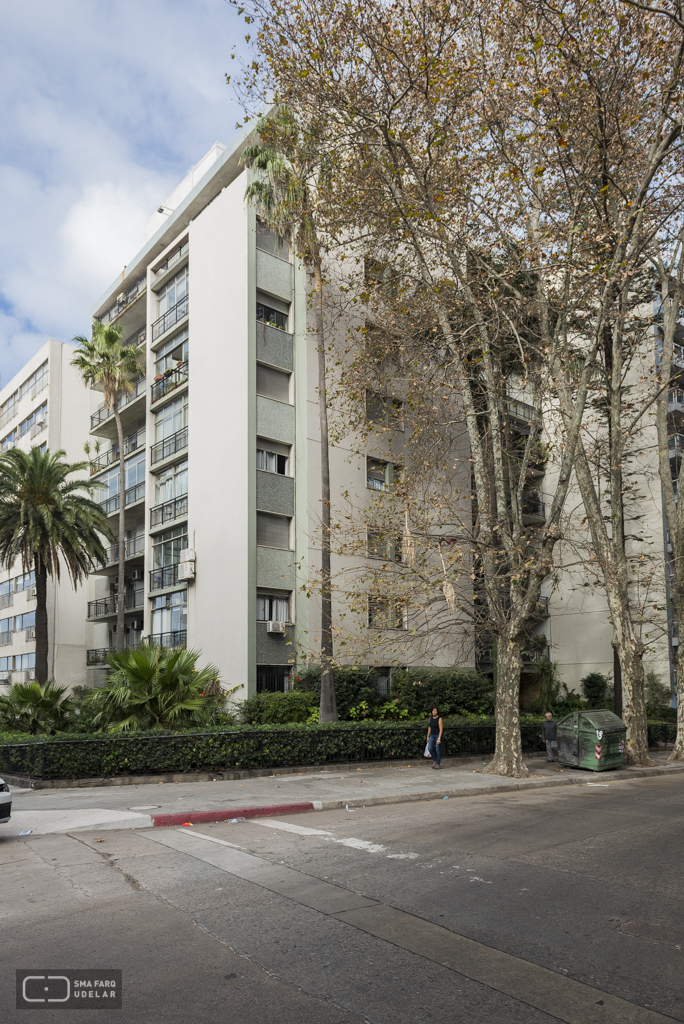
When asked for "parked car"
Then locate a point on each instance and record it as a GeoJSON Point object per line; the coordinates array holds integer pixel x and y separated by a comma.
{"type": "Point", "coordinates": [5, 802]}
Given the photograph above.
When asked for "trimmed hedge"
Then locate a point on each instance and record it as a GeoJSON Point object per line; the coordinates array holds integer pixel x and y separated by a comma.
{"type": "Point", "coordinates": [273, 747]}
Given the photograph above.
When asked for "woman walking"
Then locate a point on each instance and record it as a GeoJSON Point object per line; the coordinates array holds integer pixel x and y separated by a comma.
{"type": "Point", "coordinates": [434, 737]}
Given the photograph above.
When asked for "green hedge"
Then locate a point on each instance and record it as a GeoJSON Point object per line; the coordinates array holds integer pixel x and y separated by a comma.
{"type": "Point", "coordinates": [244, 748]}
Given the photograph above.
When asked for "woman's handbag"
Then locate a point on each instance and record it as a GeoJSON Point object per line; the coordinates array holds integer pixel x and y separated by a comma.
{"type": "Point", "coordinates": [427, 751]}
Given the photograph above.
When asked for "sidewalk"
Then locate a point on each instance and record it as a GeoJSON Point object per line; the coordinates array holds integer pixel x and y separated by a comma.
{"type": "Point", "coordinates": [286, 792]}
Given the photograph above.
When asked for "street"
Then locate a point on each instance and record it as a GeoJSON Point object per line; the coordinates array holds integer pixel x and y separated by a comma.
{"type": "Point", "coordinates": [561, 904]}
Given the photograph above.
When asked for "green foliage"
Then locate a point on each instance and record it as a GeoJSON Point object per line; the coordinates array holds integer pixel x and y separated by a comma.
{"type": "Point", "coordinates": [106, 363]}
{"type": "Point", "coordinates": [32, 708]}
{"type": "Point", "coordinates": [658, 697]}
{"type": "Point", "coordinates": [545, 674]}
{"type": "Point", "coordinates": [390, 711]}
{"type": "Point", "coordinates": [352, 685]}
{"type": "Point", "coordinates": [279, 708]}
{"type": "Point", "coordinates": [597, 689]}
{"type": "Point", "coordinates": [453, 691]}
{"type": "Point", "coordinates": [155, 688]}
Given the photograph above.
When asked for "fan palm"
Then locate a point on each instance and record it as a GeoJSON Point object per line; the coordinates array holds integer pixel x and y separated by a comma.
{"type": "Point", "coordinates": [32, 708]}
{"type": "Point", "coordinates": [107, 364]}
{"type": "Point", "coordinates": [154, 687]}
{"type": "Point", "coordinates": [47, 520]}
{"type": "Point", "coordinates": [283, 192]}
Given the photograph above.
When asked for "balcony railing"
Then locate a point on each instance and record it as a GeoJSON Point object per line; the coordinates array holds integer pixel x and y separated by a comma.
{"type": "Point", "coordinates": [675, 443]}
{"type": "Point", "coordinates": [169, 510]}
{"type": "Point", "coordinates": [110, 605]}
{"type": "Point", "coordinates": [485, 655]}
{"type": "Point", "coordinates": [172, 260]}
{"type": "Point", "coordinates": [678, 354]}
{"type": "Point", "coordinates": [676, 397]}
{"type": "Point", "coordinates": [98, 656]}
{"type": "Point", "coordinates": [521, 410]}
{"type": "Point", "coordinates": [6, 600]}
{"type": "Point", "coordinates": [167, 576]}
{"type": "Point", "coordinates": [134, 547]}
{"type": "Point", "coordinates": [39, 386]}
{"type": "Point", "coordinates": [177, 638]}
{"type": "Point", "coordinates": [138, 337]}
{"type": "Point", "coordinates": [125, 398]}
{"type": "Point", "coordinates": [169, 446]}
{"type": "Point", "coordinates": [39, 427]}
{"type": "Point", "coordinates": [132, 444]}
{"type": "Point", "coordinates": [171, 317]}
{"type": "Point", "coordinates": [170, 380]}
{"type": "Point", "coordinates": [5, 639]}
{"type": "Point", "coordinates": [133, 494]}
{"type": "Point", "coordinates": [124, 300]}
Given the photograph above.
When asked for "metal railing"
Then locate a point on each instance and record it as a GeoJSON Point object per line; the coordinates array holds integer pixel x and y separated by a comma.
{"type": "Point", "coordinates": [131, 444]}
{"type": "Point", "coordinates": [678, 354]}
{"type": "Point", "coordinates": [6, 600]}
{"type": "Point", "coordinates": [137, 337]}
{"type": "Point", "coordinates": [169, 510]}
{"type": "Point", "coordinates": [136, 493]}
{"type": "Point", "coordinates": [171, 317]}
{"type": "Point", "coordinates": [175, 257]}
{"type": "Point", "coordinates": [166, 576]}
{"type": "Point", "coordinates": [39, 427]}
{"type": "Point", "coordinates": [169, 446]}
{"type": "Point", "coordinates": [675, 443]}
{"type": "Point", "coordinates": [170, 380]}
{"type": "Point", "coordinates": [521, 410]}
{"type": "Point", "coordinates": [98, 655]}
{"type": "Point", "coordinates": [134, 547]}
{"type": "Point", "coordinates": [533, 654]}
{"type": "Point", "coordinates": [110, 605]}
{"type": "Point", "coordinates": [39, 386]}
{"type": "Point", "coordinates": [125, 398]}
{"type": "Point", "coordinates": [5, 639]}
{"type": "Point", "coordinates": [132, 495]}
{"type": "Point", "coordinates": [124, 300]}
{"type": "Point", "coordinates": [176, 638]}
{"type": "Point", "coordinates": [676, 397]}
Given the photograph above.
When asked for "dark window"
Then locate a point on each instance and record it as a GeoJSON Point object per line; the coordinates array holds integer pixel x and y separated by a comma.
{"type": "Point", "coordinates": [272, 383]}
{"type": "Point", "coordinates": [273, 678]}
{"type": "Point", "coordinates": [273, 531]}
{"type": "Point", "coordinates": [272, 317]}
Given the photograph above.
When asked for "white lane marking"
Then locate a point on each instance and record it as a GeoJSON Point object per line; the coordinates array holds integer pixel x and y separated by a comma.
{"type": "Point", "coordinates": [286, 826]}
{"type": "Point", "coordinates": [606, 785]}
{"type": "Point", "coordinates": [404, 856]}
{"type": "Point", "coordinates": [476, 879]}
{"type": "Point", "coordinates": [210, 839]}
{"type": "Point", "coordinates": [360, 844]}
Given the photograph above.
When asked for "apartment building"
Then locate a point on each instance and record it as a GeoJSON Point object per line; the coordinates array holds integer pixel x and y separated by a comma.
{"type": "Point", "coordinates": [44, 404]}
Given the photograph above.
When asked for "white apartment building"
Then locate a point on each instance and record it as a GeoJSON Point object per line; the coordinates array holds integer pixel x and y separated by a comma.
{"type": "Point", "coordinates": [44, 404]}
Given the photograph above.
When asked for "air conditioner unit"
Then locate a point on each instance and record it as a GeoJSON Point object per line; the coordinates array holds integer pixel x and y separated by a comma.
{"type": "Point", "coordinates": [31, 633]}
{"type": "Point", "coordinates": [186, 571]}
{"type": "Point", "coordinates": [32, 592]}
{"type": "Point", "coordinates": [136, 574]}
{"type": "Point", "coordinates": [275, 627]}
{"type": "Point", "coordinates": [187, 555]}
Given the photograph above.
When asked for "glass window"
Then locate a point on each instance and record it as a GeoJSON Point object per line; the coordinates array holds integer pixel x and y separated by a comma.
{"type": "Point", "coordinates": [108, 485]}
{"type": "Point", "coordinates": [173, 291]}
{"type": "Point", "coordinates": [24, 662]}
{"type": "Point", "coordinates": [36, 415]}
{"type": "Point", "coordinates": [11, 439]}
{"type": "Point", "coordinates": [6, 664]}
{"type": "Point", "coordinates": [385, 613]}
{"type": "Point", "coordinates": [273, 457]}
{"type": "Point", "coordinates": [172, 352]}
{"type": "Point", "coordinates": [171, 418]}
{"type": "Point", "coordinates": [172, 483]}
{"type": "Point", "coordinates": [135, 470]}
{"type": "Point", "coordinates": [273, 678]}
{"type": "Point", "coordinates": [24, 621]}
{"type": "Point", "coordinates": [170, 613]}
{"type": "Point", "coordinates": [273, 531]}
{"type": "Point", "coordinates": [384, 410]}
{"type": "Point", "coordinates": [270, 316]}
{"type": "Point", "coordinates": [381, 544]}
{"type": "Point", "coordinates": [25, 581]}
{"type": "Point", "coordinates": [268, 240]}
{"type": "Point", "coordinates": [38, 379]}
{"type": "Point", "coordinates": [168, 545]}
{"type": "Point", "coordinates": [272, 383]}
{"type": "Point", "coordinates": [6, 588]}
{"type": "Point", "coordinates": [273, 608]}
{"type": "Point", "coordinates": [381, 475]}
{"type": "Point", "coordinates": [6, 625]}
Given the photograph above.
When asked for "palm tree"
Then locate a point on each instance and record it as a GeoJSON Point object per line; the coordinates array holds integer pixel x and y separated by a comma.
{"type": "Point", "coordinates": [106, 364]}
{"type": "Point", "coordinates": [47, 519]}
{"type": "Point", "coordinates": [154, 688]}
{"type": "Point", "coordinates": [283, 195]}
{"type": "Point", "coordinates": [32, 708]}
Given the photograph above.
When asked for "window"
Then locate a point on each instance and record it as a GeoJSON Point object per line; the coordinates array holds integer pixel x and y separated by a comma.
{"type": "Point", "coordinates": [273, 607]}
{"type": "Point", "coordinates": [37, 417]}
{"type": "Point", "coordinates": [268, 240]}
{"type": "Point", "coordinates": [6, 591]}
{"type": "Point", "coordinates": [36, 382]}
{"type": "Point", "coordinates": [381, 475]}
{"type": "Point", "coordinates": [386, 613]}
{"type": "Point", "coordinates": [108, 485]}
{"type": "Point", "coordinates": [11, 439]}
{"type": "Point", "coordinates": [168, 545]}
{"type": "Point", "coordinates": [171, 418]}
{"type": "Point", "coordinates": [135, 470]}
{"type": "Point", "coordinates": [273, 678]}
{"type": "Point", "coordinates": [272, 383]}
{"type": "Point", "coordinates": [24, 621]}
{"type": "Point", "coordinates": [384, 410]}
{"type": "Point", "coordinates": [6, 664]}
{"type": "Point", "coordinates": [381, 544]}
{"type": "Point", "coordinates": [8, 410]}
{"type": "Point", "coordinates": [25, 581]}
{"type": "Point", "coordinates": [273, 531]}
{"type": "Point", "coordinates": [273, 457]}
{"type": "Point", "coordinates": [173, 291]}
{"type": "Point", "coordinates": [25, 663]}
{"type": "Point", "coordinates": [170, 613]}
{"type": "Point", "coordinates": [270, 316]}
{"type": "Point", "coordinates": [171, 483]}
{"type": "Point", "coordinates": [6, 626]}
{"type": "Point", "coordinates": [172, 352]}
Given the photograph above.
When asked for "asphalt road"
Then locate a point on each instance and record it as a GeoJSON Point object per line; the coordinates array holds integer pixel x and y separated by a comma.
{"type": "Point", "coordinates": [564, 904]}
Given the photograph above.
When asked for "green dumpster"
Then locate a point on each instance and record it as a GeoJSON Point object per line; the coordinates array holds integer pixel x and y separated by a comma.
{"type": "Point", "coordinates": [592, 739]}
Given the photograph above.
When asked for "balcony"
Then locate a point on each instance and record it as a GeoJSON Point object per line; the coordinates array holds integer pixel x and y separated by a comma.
{"type": "Point", "coordinates": [134, 548]}
{"type": "Point", "coordinates": [105, 606]}
{"type": "Point", "coordinates": [131, 444]}
{"type": "Point", "coordinates": [39, 386]}
{"type": "Point", "coordinates": [124, 300]}
{"type": "Point", "coordinates": [99, 655]}
{"type": "Point", "coordinates": [171, 317]}
{"type": "Point", "coordinates": [169, 446]}
{"type": "Point", "coordinates": [136, 339]}
{"type": "Point", "coordinates": [678, 355]}
{"type": "Point", "coordinates": [166, 576]}
{"type": "Point", "coordinates": [534, 654]}
{"type": "Point", "coordinates": [125, 398]}
{"type": "Point", "coordinates": [172, 260]}
{"type": "Point", "coordinates": [519, 410]}
{"type": "Point", "coordinates": [178, 638]}
{"type": "Point", "coordinates": [675, 443]}
{"type": "Point", "coordinates": [169, 381]}
{"type": "Point", "coordinates": [39, 427]}
{"type": "Point", "coordinates": [173, 509]}
{"type": "Point", "coordinates": [133, 494]}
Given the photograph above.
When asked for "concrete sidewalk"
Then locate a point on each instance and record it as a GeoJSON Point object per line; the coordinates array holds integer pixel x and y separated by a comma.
{"type": "Point", "coordinates": [286, 792]}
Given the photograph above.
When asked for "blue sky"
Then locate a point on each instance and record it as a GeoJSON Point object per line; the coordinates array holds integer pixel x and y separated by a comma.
{"type": "Point", "coordinates": [106, 106]}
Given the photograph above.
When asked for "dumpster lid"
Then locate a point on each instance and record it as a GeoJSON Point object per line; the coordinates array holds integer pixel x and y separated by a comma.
{"type": "Point", "coordinates": [605, 720]}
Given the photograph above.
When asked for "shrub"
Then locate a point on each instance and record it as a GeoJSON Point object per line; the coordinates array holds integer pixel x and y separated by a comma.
{"type": "Point", "coordinates": [352, 685]}
{"type": "Point", "coordinates": [453, 691]}
{"type": "Point", "coordinates": [658, 697]}
{"type": "Point", "coordinates": [32, 708]}
{"type": "Point", "coordinates": [597, 689]}
{"type": "Point", "coordinates": [278, 708]}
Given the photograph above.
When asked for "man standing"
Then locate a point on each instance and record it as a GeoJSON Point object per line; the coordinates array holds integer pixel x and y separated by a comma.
{"type": "Point", "coordinates": [550, 735]}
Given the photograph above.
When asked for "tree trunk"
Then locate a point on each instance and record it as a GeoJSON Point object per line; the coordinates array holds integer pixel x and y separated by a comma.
{"type": "Point", "coordinates": [631, 655]}
{"type": "Point", "coordinates": [120, 637]}
{"type": "Point", "coordinates": [678, 749]}
{"type": "Point", "coordinates": [41, 623]}
{"type": "Point", "coordinates": [617, 683]}
{"type": "Point", "coordinates": [328, 706]}
{"type": "Point", "coordinates": [508, 756]}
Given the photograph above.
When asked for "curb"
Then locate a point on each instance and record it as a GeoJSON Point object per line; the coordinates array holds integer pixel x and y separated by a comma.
{"type": "Point", "coordinates": [202, 817]}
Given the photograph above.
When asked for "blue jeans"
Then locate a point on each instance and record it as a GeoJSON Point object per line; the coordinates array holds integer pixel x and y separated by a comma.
{"type": "Point", "coordinates": [435, 748]}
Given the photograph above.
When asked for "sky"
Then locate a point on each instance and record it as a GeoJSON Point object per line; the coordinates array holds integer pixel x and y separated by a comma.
{"type": "Point", "coordinates": [106, 106]}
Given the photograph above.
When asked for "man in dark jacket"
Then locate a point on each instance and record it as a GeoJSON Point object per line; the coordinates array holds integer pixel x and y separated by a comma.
{"type": "Point", "coordinates": [550, 735]}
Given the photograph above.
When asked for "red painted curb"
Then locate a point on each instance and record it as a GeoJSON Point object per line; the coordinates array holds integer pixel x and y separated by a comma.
{"type": "Point", "coordinates": [198, 817]}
